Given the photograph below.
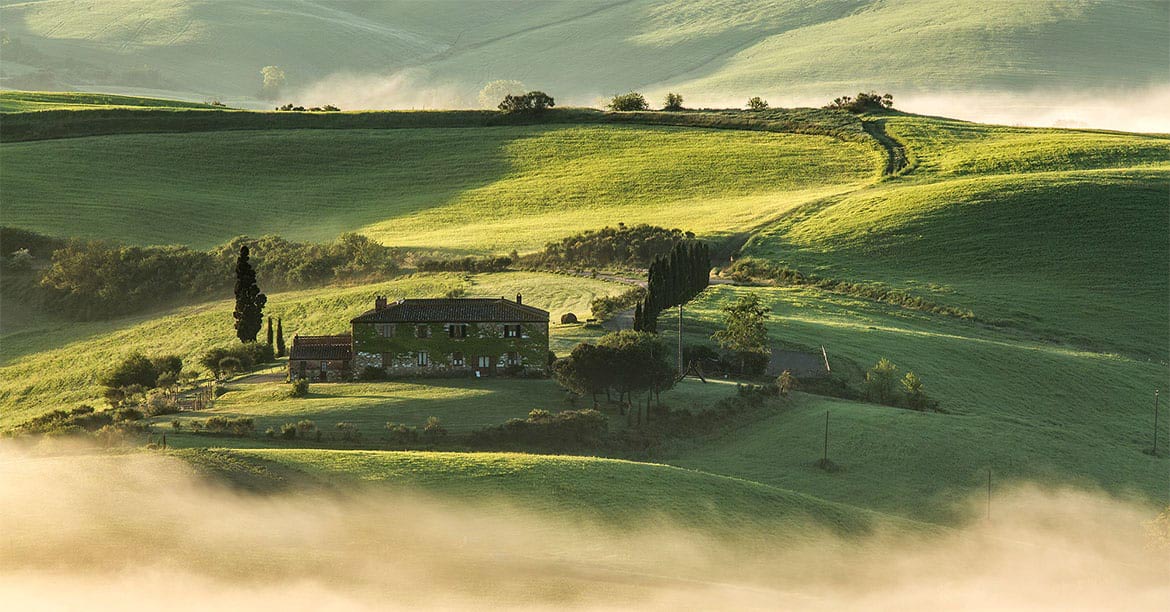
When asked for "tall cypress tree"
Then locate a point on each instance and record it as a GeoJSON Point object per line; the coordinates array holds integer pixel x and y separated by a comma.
{"type": "Point", "coordinates": [270, 332]}
{"type": "Point", "coordinates": [279, 338]}
{"type": "Point", "coordinates": [250, 302]}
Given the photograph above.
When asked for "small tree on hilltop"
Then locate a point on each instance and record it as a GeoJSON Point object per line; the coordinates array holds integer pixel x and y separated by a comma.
{"type": "Point", "coordinates": [249, 313]}
{"type": "Point", "coordinates": [632, 101]}
{"type": "Point", "coordinates": [757, 104]}
{"type": "Point", "coordinates": [531, 102]}
{"type": "Point", "coordinates": [280, 348]}
{"type": "Point", "coordinates": [745, 330]}
{"type": "Point", "coordinates": [673, 102]}
{"type": "Point", "coordinates": [915, 393]}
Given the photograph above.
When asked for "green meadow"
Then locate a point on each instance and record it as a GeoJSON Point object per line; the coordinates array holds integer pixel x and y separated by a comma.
{"type": "Point", "coordinates": [461, 189]}
{"type": "Point", "coordinates": [1053, 239]}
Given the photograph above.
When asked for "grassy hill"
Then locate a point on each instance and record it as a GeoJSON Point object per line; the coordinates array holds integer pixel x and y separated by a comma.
{"type": "Point", "coordinates": [439, 54]}
{"type": "Point", "coordinates": [489, 189]}
{"type": "Point", "coordinates": [1027, 408]}
{"type": "Point", "coordinates": [26, 101]}
{"type": "Point", "coordinates": [622, 494]}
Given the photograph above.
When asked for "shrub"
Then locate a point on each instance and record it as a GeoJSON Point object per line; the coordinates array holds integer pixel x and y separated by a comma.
{"type": "Point", "coordinates": [786, 382]}
{"type": "Point", "coordinates": [570, 428]}
{"type": "Point", "coordinates": [466, 264]}
{"type": "Point", "coordinates": [349, 432]}
{"type": "Point", "coordinates": [372, 373]}
{"type": "Point", "coordinates": [177, 425]}
{"type": "Point", "coordinates": [230, 365]}
{"type": "Point", "coordinates": [128, 414]}
{"type": "Point", "coordinates": [673, 102]}
{"type": "Point", "coordinates": [531, 102]}
{"type": "Point", "coordinates": [306, 428]}
{"type": "Point", "coordinates": [288, 431]}
{"type": "Point", "coordinates": [300, 388]}
{"type": "Point", "coordinates": [880, 381]}
{"type": "Point", "coordinates": [433, 430]}
{"type": "Point", "coordinates": [863, 102]}
{"type": "Point", "coordinates": [632, 101]}
{"type": "Point", "coordinates": [757, 104]}
{"type": "Point", "coordinates": [401, 434]}
{"type": "Point", "coordinates": [606, 306]}
{"type": "Point", "coordinates": [135, 369]}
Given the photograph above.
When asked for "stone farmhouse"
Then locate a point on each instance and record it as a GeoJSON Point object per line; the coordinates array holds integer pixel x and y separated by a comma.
{"type": "Point", "coordinates": [430, 337]}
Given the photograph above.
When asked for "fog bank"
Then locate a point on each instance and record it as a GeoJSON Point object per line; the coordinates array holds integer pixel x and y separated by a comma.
{"type": "Point", "coordinates": [143, 532]}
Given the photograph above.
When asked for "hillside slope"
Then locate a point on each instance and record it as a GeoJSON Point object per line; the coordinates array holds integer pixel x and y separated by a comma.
{"type": "Point", "coordinates": [439, 54]}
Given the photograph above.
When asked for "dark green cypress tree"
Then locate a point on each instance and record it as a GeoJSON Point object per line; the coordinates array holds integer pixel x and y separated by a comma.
{"type": "Point", "coordinates": [249, 313]}
{"type": "Point", "coordinates": [270, 332]}
{"type": "Point", "coordinates": [279, 339]}
{"type": "Point", "coordinates": [638, 316]}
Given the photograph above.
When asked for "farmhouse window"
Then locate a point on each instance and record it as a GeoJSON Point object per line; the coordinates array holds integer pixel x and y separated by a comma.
{"type": "Point", "coordinates": [457, 359]}
{"type": "Point", "coordinates": [457, 330]}
{"type": "Point", "coordinates": [485, 361]}
{"type": "Point", "coordinates": [386, 330]}
{"type": "Point", "coordinates": [511, 331]}
{"type": "Point", "coordinates": [423, 359]}
{"type": "Point", "coordinates": [422, 331]}
{"type": "Point", "coordinates": [513, 358]}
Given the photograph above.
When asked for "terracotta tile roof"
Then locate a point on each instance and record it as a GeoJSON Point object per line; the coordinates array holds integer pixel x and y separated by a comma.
{"type": "Point", "coordinates": [321, 347]}
{"type": "Point", "coordinates": [439, 310]}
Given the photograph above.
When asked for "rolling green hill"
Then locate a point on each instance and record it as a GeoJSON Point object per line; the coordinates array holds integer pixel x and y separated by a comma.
{"type": "Point", "coordinates": [1053, 239]}
{"type": "Point", "coordinates": [621, 494]}
{"type": "Point", "coordinates": [488, 189]}
{"type": "Point", "coordinates": [406, 54]}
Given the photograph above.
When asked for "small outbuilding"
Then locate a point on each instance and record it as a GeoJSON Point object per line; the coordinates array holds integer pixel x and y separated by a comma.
{"type": "Point", "coordinates": [321, 357]}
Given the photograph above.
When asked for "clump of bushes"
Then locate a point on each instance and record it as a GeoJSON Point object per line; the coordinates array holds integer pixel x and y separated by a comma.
{"type": "Point", "coordinates": [622, 246]}
{"type": "Point", "coordinates": [673, 102]}
{"type": "Point", "coordinates": [632, 101]}
{"type": "Point", "coordinates": [433, 430]}
{"type": "Point", "coordinates": [883, 386]}
{"type": "Point", "coordinates": [758, 270]}
{"type": "Point", "coordinates": [570, 428]}
{"type": "Point", "coordinates": [300, 388]}
{"type": "Point", "coordinates": [94, 280]}
{"type": "Point", "coordinates": [237, 358]}
{"type": "Point", "coordinates": [531, 102]}
{"type": "Point", "coordinates": [399, 433]}
{"type": "Point", "coordinates": [606, 306]}
{"type": "Point", "coordinates": [348, 432]}
{"type": "Point", "coordinates": [863, 102]}
{"type": "Point", "coordinates": [466, 264]}
{"type": "Point", "coordinates": [218, 425]}
{"type": "Point", "coordinates": [328, 108]}
{"type": "Point", "coordinates": [138, 369]}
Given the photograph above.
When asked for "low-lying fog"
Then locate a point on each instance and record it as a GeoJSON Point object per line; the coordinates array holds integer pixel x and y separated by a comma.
{"type": "Point", "coordinates": [141, 532]}
{"type": "Point", "coordinates": [1135, 110]}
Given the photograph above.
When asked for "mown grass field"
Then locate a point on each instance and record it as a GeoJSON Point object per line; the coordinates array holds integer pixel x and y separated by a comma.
{"type": "Point", "coordinates": [466, 189]}
{"type": "Point", "coordinates": [57, 363]}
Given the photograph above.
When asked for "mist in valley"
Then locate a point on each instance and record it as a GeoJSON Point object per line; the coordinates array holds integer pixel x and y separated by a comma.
{"type": "Point", "coordinates": [139, 531]}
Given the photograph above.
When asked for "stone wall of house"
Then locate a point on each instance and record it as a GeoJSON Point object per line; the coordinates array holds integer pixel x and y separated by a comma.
{"type": "Point", "coordinates": [398, 354]}
{"type": "Point", "coordinates": [335, 369]}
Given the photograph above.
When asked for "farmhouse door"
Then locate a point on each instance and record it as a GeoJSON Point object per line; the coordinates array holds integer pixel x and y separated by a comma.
{"type": "Point", "coordinates": [483, 365]}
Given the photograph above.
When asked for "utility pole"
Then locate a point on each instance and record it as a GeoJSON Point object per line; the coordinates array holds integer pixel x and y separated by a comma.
{"type": "Point", "coordinates": [680, 356]}
{"type": "Point", "coordinates": [1155, 422]}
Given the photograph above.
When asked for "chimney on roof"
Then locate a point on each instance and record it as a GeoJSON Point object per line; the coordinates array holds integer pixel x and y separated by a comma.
{"type": "Point", "coordinates": [519, 299]}
{"type": "Point", "coordinates": [380, 302]}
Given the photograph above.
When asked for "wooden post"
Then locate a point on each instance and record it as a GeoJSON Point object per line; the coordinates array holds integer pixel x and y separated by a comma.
{"type": "Point", "coordinates": [1155, 422]}
{"type": "Point", "coordinates": [825, 458]}
{"type": "Point", "coordinates": [989, 493]}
